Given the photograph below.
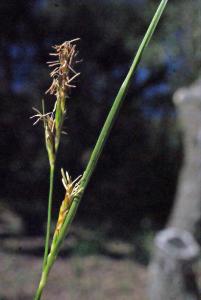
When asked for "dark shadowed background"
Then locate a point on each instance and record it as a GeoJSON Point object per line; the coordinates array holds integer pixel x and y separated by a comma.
{"type": "Point", "coordinates": [134, 184]}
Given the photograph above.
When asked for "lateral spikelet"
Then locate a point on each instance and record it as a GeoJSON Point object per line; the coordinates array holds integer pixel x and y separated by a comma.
{"type": "Point", "coordinates": [72, 190]}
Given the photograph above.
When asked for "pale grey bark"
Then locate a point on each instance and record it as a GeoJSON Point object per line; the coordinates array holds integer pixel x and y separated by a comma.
{"type": "Point", "coordinates": [171, 274]}
{"type": "Point", "coordinates": [186, 213]}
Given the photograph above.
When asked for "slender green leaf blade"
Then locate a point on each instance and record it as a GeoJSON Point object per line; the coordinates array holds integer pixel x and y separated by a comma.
{"type": "Point", "coordinates": [110, 120]}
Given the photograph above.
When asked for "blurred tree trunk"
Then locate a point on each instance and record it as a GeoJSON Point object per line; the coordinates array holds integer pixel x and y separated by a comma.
{"type": "Point", "coordinates": [171, 271]}
{"type": "Point", "coordinates": [186, 212]}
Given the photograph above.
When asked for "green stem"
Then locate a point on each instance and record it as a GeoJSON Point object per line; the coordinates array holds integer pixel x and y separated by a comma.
{"type": "Point", "coordinates": [98, 148]}
{"type": "Point", "coordinates": [108, 124]}
{"type": "Point", "coordinates": [40, 287]}
{"type": "Point", "coordinates": [49, 215]}
{"type": "Point", "coordinates": [44, 276]}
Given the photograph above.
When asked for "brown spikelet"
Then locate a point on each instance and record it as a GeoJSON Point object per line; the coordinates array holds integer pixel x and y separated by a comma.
{"type": "Point", "coordinates": [72, 189]}
{"type": "Point", "coordinates": [63, 73]}
{"type": "Point", "coordinates": [47, 118]}
{"type": "Point", "coordinates": [49, 126]}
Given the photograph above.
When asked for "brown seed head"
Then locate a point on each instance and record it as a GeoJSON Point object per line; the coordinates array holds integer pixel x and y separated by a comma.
{"type": "Point", "coordinates": [63, 74]}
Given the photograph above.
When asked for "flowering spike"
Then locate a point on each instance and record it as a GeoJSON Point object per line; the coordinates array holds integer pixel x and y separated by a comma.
{"type": "Point", "coordinates": [62, 74]}
{"type": "Point", "coordinates": [73, 189]}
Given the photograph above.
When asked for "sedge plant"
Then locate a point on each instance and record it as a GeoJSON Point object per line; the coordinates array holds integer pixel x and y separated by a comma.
{"type": "Point", "coordinates": [63, 77]}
